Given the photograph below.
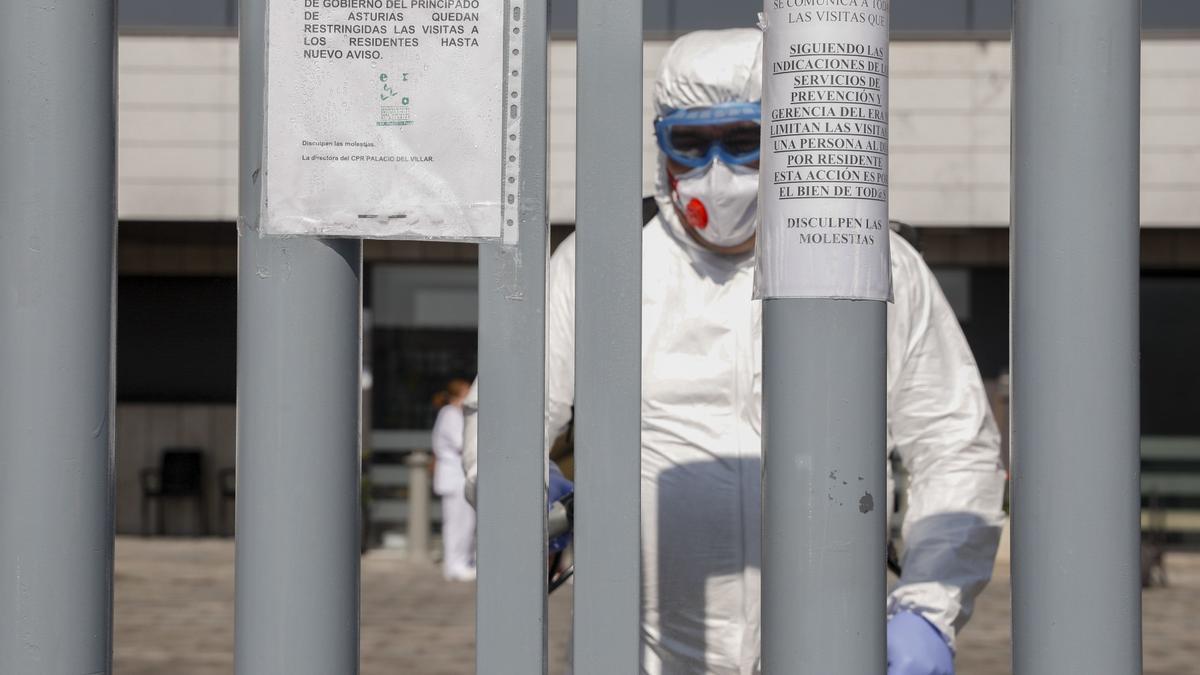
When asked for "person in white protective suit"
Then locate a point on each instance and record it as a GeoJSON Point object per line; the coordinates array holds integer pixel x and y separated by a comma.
{"type": "Point", "coordinates": [702, 397]}
{"type": "Point", "coordinates": [458, 518]}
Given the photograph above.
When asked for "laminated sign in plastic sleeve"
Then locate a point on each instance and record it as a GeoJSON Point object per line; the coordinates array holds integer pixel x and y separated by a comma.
{"type": "Point", "coordinates": [392, 118]}
{"type": "Point", "coordinates": [824, 167]}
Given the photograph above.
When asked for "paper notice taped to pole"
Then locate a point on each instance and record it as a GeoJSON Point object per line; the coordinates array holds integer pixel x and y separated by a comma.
{"type": "Point", "coordinates": [824, 171]}
{"type": "Point", "coordinates": [392, 119]}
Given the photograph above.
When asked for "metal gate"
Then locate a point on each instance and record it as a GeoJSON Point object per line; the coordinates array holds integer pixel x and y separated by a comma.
{"type": "Point", "coordinates": [1074, 349]}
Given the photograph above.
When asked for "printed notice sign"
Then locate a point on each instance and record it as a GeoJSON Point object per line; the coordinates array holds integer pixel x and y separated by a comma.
{"type": "Point", "coordinates": [388, 119]}
{"type": "Point", "coordinates": [824, 171]}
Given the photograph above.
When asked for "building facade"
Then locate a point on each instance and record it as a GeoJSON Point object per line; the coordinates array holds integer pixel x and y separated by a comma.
{"type": "Point", "coordinates": [950, 97]}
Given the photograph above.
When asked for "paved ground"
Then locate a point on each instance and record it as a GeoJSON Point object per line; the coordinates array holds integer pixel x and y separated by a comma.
{"type": "Point", "coordinates": [174, 616]}
{"type": "Point", "coordinates": [174, 613]}
{"type": "Point", "coordinates": [1170, 625]}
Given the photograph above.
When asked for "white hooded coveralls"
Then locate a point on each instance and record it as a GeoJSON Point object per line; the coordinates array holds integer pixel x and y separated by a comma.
{"type": "Point", "coordinates": [701, 418]}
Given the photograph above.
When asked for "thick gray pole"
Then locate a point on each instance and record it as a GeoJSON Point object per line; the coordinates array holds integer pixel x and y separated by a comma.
{"type": "Point", "coordinates": [824, 354]}
{"type": "Point", "coordinates": [57, 239]}
{"type": "Point", "coordinates": [299, 328]}
{"type": "Point", "coordinates": [824, 498]}
{"type": "Point", "coordinates": [511, 597]}
{"type": "Point", "coordinates": [608, 342]}
{"type": "Point", "coordinates": [1076, 594]}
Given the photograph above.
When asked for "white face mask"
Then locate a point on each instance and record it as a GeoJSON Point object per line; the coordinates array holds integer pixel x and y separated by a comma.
{"type": "Point", "coordinates": [719, 202]}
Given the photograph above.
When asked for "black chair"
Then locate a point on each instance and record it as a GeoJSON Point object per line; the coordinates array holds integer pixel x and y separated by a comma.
{"type": "Point", "coordinates": [180, 475]}
{"type": "Point", "coordinates": [226, 492]}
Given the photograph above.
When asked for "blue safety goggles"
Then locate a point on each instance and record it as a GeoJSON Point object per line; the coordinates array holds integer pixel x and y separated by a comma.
{"type": "Point", "coordinates": [687, 136]}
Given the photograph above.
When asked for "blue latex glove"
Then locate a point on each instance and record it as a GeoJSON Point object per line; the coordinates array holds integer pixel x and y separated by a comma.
{"type": "Point", "coordinates": [915, 647]}
{"type": "Point", "coordinates": [557, 488]}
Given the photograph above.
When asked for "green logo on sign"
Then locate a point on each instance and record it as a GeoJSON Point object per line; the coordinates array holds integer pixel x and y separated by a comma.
{"type": "Point", "coordinates": [394, 110]}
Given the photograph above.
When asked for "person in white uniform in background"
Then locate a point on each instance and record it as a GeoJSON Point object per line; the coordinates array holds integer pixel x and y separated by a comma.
{"type": "Point", "coordinates": [458, 518]}
{"type": "Point", "coordinates": [702, 397]}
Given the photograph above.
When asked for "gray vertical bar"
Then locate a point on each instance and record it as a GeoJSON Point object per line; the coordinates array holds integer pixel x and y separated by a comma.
{"type": "Point", "coordinates": [57, 229]}
{"type": "Point", "coordinates": [418, 526]}
{"type": "Point", "coordinates": [824, 498]}
{"type": "Point", "coordinates": [299, 328]}
{"type": "Point", "coordinates": [1076, 594]}
{"type": "Point", "coordinates": [511, 550]}
{"type": "Point", "coordinates": [608, 338]}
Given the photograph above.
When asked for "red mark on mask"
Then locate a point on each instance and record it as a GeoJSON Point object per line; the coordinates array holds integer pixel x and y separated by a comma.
{"type": "Point", "coordinates": [697, 215]}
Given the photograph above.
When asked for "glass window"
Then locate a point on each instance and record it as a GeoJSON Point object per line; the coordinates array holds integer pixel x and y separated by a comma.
{"type": "Point", "coordinates": [423, 334]}
{"type": "Point", "coordinates": [177, 339]}
{"type": "Point", "coordinates": [1170, 322]}
{"type": "Point", "coordinates": [996, 15]}
{"type": "Point", "coordinates": [177, 15]}
{"type": "Point", "coordinates": [662, 18]}
{"type": "Point", "coordinates": [910, 18]}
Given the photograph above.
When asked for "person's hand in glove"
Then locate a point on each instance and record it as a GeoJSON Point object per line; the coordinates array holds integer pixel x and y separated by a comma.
{"type": "Point", "coordinates": [915, 647]}
{"type": "Point", "coordinates": [557, 488]}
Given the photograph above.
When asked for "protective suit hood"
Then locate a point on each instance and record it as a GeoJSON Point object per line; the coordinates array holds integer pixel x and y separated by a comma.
{"type": "Point", "coordinates": [710, 67]}
{"type": "Point", "coordinates": [702, 69]}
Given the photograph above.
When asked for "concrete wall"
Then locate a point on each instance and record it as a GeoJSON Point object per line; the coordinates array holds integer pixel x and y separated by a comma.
{"type": "Point", "coordinates": [178, 130]}
{"type": "Point", "coordinates": [949, 113]}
